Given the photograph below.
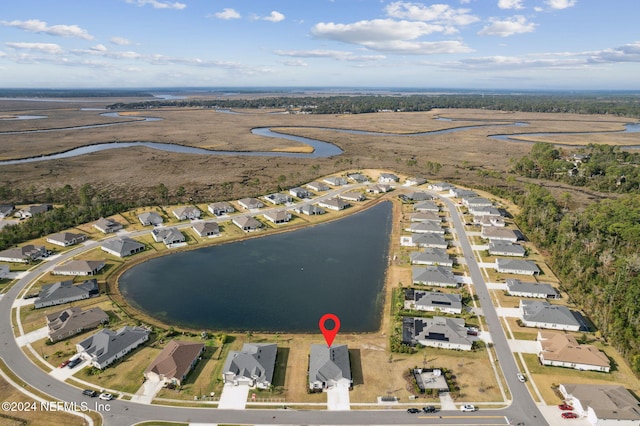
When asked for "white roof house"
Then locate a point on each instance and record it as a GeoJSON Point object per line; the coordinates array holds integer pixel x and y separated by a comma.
{"type": "Point", "coordinates": [516, 266]}
{"type": "Point", "coordinates": [539, 314]}
{"type": "Point", "coordinates": [519, 288]}
{"type": "Point", "coordinates": [438, 276]}
{"type": "Point", "coordinates": [437, 332]}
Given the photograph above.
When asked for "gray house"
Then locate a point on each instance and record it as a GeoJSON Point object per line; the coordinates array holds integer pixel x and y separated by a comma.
{"type": "Point", "coordinates": [187, 212]}
{"type": "Point", "coordinates": [122, 247]}
{"type": "Point", "coordinates": [437, 276]}
{"type": "Point", "coordinates": [506, 248]}
{"type": "Point", "coordinates": [603, 404]}
{"type": "Point", "coordinates": [6, 210]}
{"type": "Point", "coordinates": [247, 223]}
{"type": "Point", "coordinates": [485, 211]}
{"type": "Point", "coordinates": [494, 233]}
{"type": "Point", "coordinates": [24, 254]}
{"type": "Point", "coordinates": [250, 203]}
{"type": "Point", "coordinates": [425, 227]}
{"type": "Point", "coordinates": [106, 346]}
{"type": "Point", "coordinates": [335, 203]}
{"type": "Point", "coordinates": [206, 229]}
{"type": "Point", "coordinates": [424, 240]}
{"type": "Point", "coordinates": [476, 202]}
{"type": "Point", "coordinates": [220, 208]}
{"type": "Point", "coordinates": [66, 239]}
{"type": "Point", "coordinates": [426, 206]}
{"type": "Point", "coordinates": [317, 186]}
{"type": "Point", "coordinates": [528, 289]}
{"type": "Point", "coordinates": [462, 193]}
{"type": "Point", "coordinates": [150, 218]}
{"type": "Point", "coordinates": [358, 177]}
{"type": "Point", "coordinates": [30, 211]}
{"type": "Point", "coordinates": [308, 209]}
{"type": "Point", "coordinates": [300, 193]}
{"type": "Point", "coordinates": [278, 216]}
{"type": "Point", "coordinates": [436, 332]}
{"type": "Point", "coordinates": [253, 365]}
{"type": "Point", "coordinates": [168, 236]}
{"type": "Point", "coordinates": [431, 256]}
{"type": "Point", "coordinates": [388, 178]}
{"type": "Point", "coordinates": [335, 181]}
{"type": "Point", "coordinates": [415, 181]}
{"type": "Point", "coordinates": [107, 226]}
{"type": "Point", "coordinates": [516, 266]}
{"type": "Point", "coordinates": [79, 267]}
{"type": "Point", "coordinates": [72, 321]}
{"type": "Point", "coordinates": [65, 292]}
{"type": "Point", "coordinates": [540, 314]}
{"type": "Point", "coordinates": [329, 367]}
{"type": "Point", "coordinates": [278, 198]}
{"type": "Point", "coordinates": [352, 196]}
{"type": "Point", "coordinates": [441, 186]}
{"type": "Point", "coordinates": [425, 217]}
{"type": "Point", "coordinates": [432, 301]}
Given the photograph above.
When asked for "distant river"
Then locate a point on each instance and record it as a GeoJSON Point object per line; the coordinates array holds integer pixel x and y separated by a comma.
{"type": "Point", "coordinates": [282, 282]}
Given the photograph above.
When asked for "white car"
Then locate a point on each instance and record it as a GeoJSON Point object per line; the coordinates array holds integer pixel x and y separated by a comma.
{"type": "Point", "coordinates": [467, 407]}
{"type": "Point", "coordinates": [521, 377]}
{"type": "Point", "coordinates": [106, 396]}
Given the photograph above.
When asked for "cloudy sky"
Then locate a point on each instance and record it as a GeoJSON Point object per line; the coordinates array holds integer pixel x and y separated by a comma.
{"type": "Point", "coordinates": [502, 44]}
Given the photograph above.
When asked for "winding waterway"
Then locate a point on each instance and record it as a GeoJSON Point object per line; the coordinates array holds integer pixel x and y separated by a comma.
{"type": "Point", "coordinates": [281, 282]}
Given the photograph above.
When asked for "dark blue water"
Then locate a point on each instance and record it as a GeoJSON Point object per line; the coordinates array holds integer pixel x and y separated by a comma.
{"type": "Point", "coordinates": [283, 282]}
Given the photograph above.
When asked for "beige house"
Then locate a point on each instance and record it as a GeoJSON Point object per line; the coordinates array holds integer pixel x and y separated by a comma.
{"type": "Point", "coordinates": [175, 362]}
{"type": "Point", "coordinates": [563, 350]}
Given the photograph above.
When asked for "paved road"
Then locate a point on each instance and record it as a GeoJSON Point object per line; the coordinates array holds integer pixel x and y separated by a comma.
{"type": "Point", "coordinates": [126, 413]}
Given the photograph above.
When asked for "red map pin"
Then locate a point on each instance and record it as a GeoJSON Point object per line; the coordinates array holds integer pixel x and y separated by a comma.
{"type": "Point", "coordinates": [329, 335]}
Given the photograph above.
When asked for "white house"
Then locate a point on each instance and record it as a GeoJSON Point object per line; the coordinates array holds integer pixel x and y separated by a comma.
{"type": "Point", "coordinates": [65, 239]}
{"type": "Point", "coordinates": [539, 314]}
{"type": "Point", "coordinates": [433, 301]}
{"type": "Point", "coordinates": [437, 332]}
{"type": "Point", "coordinates": [187, 212]}
{"type": "Point", "coordinates": [602, 405]}
{"type": "Point", "coordinates": [388, 178]}
{"type": "Point", "coordinates": [107, 346]}
{"type": "Point", "coordinates": [516, 266]}
{"type": "Point", "coordinates": [563, 350]}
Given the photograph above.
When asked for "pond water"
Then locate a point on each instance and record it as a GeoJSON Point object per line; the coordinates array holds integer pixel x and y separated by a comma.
{"type": "Point", "coordinates": [282, 282]}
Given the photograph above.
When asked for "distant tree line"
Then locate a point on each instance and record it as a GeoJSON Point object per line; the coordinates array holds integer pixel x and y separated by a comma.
{"type": "Point", "coordinates": [604, 168]}
{"type": "Point", "coordinates": [72, 93]}
{"type": "Point", "coordinates": [624, 105]}
{"type": "Point", "coordinates": [595, 254]}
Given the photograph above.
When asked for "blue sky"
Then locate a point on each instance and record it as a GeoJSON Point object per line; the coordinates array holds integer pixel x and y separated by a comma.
{"type": "Point", "coordinates": [501, 44]}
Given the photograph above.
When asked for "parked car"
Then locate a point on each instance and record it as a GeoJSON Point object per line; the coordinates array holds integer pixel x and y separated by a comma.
{"type": "Point", "coordinates": [65, 363]}
{"type": "Point", "coordinates": [521, 377]}
{"type": "Point", "coordinates": [569, 415]}
{"type": "Point", "coordinates": [429, 409]}
{"type": "Point", "coordinates": [74, 362]}
{"type": "Point", "coordinates": [467, 408]}
{"type": "Point", "coordinates": [565, 407]}
{"type": "Point", "coordinates": [90, 392]}
{"type": "Point", "coordinates": [106, 396]}
{"type": "Point", "coordinates": [413, 410]}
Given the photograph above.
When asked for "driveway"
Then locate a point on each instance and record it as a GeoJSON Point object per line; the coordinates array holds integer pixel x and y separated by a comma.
{"type": "Point", "coordinates": [35, 335]}
{"type": "Point", "coordinates": [147, 391]}
{"type": "Point", "coordinates": [338, 398]}
{"type": "Point", "coordinates": [508, 312]}
{"type": "Point", "coordinates": [524, 346]}
{"type": "Point", "coordinates": [233, 397]}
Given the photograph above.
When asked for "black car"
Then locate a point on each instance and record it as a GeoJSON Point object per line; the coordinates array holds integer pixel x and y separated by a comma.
{"type": "Point", "coordinates": [74, 362]}
{"type": "Point", "coordinates": [413, 410]}
{"type": "Point", "coordinates": [90, 393]}
{"type": "Point", "coordinates": [429, 409]}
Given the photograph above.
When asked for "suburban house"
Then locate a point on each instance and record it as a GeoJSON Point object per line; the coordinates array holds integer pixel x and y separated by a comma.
{"type": "Point", "coordinates": [107, 346]}
{"type": "Point", "coordinates": [506, 248]}
{"type": "Point", "coordinates": [426, 206]}
{"type": "Point", "coordinates": [300, 193]}
{"type": "Point", "coordinates": [317, 186]}
{"type": "Point", "coordinates": [150, 218]}
{"type": "Point", "coordinates": [462, 193]}
{"type": "Point", "coordinates": [436, 332]}
{"type": "Point", "coordinates": [187, 212]}
{"type": "Point", "coordinates": [247, 223]}
{"type": "Point", "coordinates": [220, 208]}
{"type": "Point", "coordinates": [425, 217]}
{"type": "Point", "coordinates": [6, 210]}
{"type": "Point", "coordinates": [485, 211]}
{"type": "Point", "coordinates": [426, 227]}
{"type": "Point", "coordinates": [168, 236]}
{"type": "Point", "coordinates": [174, 363]}
{"type": "Point", "coordinates": [379, 189]}
{"type": "Point", "coordinates": [432, 301]}
{"type": "Point", "coordinates": [424, 240]}
{"type": "Point", "coordinates": [489, 221]}
{"type": "Point", "coordinates": [335, 181]}
{"type": "Point", "coordinates": [414, 181]}
{"type": "Point", "coordinates": [308, 209]}
{"type": "Point", "coordinates": [72, 321]}
{"type": "Point", "coordinates": [79, 267]}
{"type": "Point", "coordinates": [539, 314]}
{"type": "Point", "coordinates": [278, 198]}
{"type": "Point", "coordinates": [563, 350]}
{"type": "Point", "coordinates": [493, 233]}
{"type": "Point", "coordinates": [603, 404]}
{"type": "Point", "coordinates": [441, 186]}
{"type": "Point", "coordinates": [388, 178]}
{"type": "Point", "coordinates": [107, 226]}
{"type": "Point", "coordinates": [65, 292]}
{"type": "Point", "coordinates": [253, 365]}
{"type": "Point", "coordinates": [353, 196]}
{"type": "Point", "coordinates": [250, 203]}
{"type": "Point", "coordinates": [329, 367]}
{"type": "Point", "coordinates": [476, 202]}
{"type": "Point", "coordinates": [30, 211]}
{"type": "Point", "coordinates": [516, 266]}
{"type": "Point", "coordinates": [416, 196]}
{"type": "Point", "coordinates": [519, 288]}
{"type": "Point", "coordinates": [431, 256]}
{"type": "Point", "coordinates": [122, 247]}
{"type": "Point", "coordinates": [334, 203]}
{"type": "Point", "coordinates": [66, 239]}
{"type": "Point", "coordinates": [206, 229]}
{"type": "Point", "coordinates": [278, 216]}
{"type": "Point", "coordinates": [24, 254]}
{"type": "Point", "coordinates": [358, 177]}
{"type": "Point", "coordinates": [437, 276]}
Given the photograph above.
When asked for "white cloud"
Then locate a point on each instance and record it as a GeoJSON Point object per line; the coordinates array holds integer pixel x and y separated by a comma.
{"type": "Point", "coordinates": [51, 48]}
{"type": "Point", "coordinates": [510, 4]}
{"type": "Point", "coordinates": [38, 26]}
{"type": "Point", "coordinates": [561, 4]}
{"type": "Point", "coordinates": [120, 41]}
{"type": "Point", "coordinates": [158, 4]}
{"type": "Point", "coordinates": [437, 13]}
{"type": "Point", "coordinates": [227, 13]}
{"type": "Point", "coordinates": [292, 63]}
{"type": "Point", "coordinates": [274, 16]}
{"type": "Point", "coordinates": [340, 55]}
{"type": "Point", "coordinates": [515, 25]}
{"type": "Point", "coordinates": [626, 53]}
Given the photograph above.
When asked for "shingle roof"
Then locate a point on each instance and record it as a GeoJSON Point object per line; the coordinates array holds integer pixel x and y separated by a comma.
{"type": "Point", "coordinates": [255, 360]}
{"type": "Point", "coordinates": [175, 360]}
{"type": "Point", "coordinates": [544, 312]}
{"type": "Point", "coordinates": [329, 363]}
{"type": "Point", "coordinates": [65, 290]}
{"type": "Point", "coordinates": [607, 401]}
{"type": "Point", "coordinates": [565, 348]}
{"type": "Point", "coordinates": [106, 343]}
